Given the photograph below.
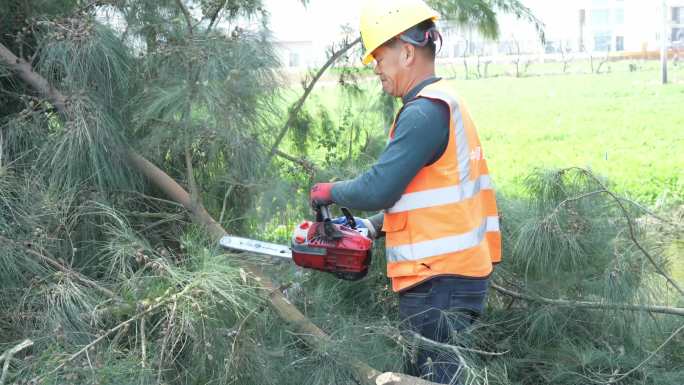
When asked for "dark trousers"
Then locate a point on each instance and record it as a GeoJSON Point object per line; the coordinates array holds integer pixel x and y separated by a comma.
{"type": "Point", "coordinates": [438, 309]}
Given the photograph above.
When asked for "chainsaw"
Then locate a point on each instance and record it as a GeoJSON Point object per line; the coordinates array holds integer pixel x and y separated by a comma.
{"type": "Point", "coordinates": [343, 250]}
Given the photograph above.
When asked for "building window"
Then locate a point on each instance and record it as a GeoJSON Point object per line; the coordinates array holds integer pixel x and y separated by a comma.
{"type": "Point", "coordinates": [619, 43]}
{"type": "Point", "coordinates": [602, 41]}
{"type": "Point", "coordinates": [678, 36]}
{"type": "Point", "coordinates": [678, 15]}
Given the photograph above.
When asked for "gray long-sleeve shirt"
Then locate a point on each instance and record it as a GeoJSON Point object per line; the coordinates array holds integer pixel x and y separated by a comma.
{"type": "Point", "coordinates": [420, 137]}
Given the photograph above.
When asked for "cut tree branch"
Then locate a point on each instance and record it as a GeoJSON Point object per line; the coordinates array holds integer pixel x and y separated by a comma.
{"type": "Point", "coordinates": [298, 105]}
{"type": "Point", "coordinates": [590, 305]}
{"type": "Point", "coordinates": [311, 334]}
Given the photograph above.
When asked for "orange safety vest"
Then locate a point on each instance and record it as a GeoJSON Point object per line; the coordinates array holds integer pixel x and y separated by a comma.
{"type": "Point", "coordinates": [446, 222]}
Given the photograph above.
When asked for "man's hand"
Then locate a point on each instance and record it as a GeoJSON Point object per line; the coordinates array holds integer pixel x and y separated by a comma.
{"type": "Point", "coordinates": [361, 223]}
{"type": "Point", "coordinates": [321, 194]}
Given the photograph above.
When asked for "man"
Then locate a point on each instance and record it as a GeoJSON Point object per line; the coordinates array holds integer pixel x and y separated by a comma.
{"type": "Point", "coordinates": [440, 217]}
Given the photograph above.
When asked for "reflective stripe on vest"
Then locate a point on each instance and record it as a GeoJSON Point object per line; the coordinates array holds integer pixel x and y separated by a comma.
{"type": "Point", "coordinates": [446, 221]}
{"type": "Point", "coordinates": [441, 196]}
{"type": "Point", "coordinates": [446, 245]}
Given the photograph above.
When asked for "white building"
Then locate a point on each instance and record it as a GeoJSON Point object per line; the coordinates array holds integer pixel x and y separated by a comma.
{"type": "Point", "coordinates": [627, 25]}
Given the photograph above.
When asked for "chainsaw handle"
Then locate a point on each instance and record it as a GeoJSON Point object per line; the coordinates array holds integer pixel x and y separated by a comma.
{"type": "Point", "coordinates": [350, 218]}
{"type": "Point", "coordinates": [323, 215]}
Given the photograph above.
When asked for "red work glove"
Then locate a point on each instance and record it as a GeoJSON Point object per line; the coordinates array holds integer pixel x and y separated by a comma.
{"type": "Point", "coordinates": [321, 194]}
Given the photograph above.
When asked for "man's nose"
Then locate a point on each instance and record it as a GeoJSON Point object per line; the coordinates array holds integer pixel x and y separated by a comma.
{"type": "Point", "coordinates": [376, 68]}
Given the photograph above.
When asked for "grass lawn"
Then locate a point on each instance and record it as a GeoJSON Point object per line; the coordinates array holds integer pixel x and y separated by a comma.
{"type": "Point", "coordinates": [624, 125]}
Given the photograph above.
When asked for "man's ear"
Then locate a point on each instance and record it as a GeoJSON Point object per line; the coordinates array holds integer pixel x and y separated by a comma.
{"type": "Point", "coordinates": [408, 54]}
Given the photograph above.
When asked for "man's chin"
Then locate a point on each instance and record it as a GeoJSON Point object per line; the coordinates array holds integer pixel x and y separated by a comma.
{"type": "Point", "coordinates": [388, 90]}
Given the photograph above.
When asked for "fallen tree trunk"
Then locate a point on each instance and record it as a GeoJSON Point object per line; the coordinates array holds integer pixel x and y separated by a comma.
{"type": "Point", "coordinates": [311, 334]}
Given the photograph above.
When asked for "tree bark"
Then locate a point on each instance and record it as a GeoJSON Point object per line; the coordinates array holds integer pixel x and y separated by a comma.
{"type": "Point", "coordinates": [24, 70]}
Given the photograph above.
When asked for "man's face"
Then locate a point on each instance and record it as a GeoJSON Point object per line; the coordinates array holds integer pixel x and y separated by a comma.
{"type": "Point", "coordinates": [389, 66]}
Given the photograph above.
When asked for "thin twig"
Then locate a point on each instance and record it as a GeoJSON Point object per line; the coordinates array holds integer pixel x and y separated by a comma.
{"type": "Point", "coordinates": [453, 348]}
{"type": "Point", "coordinates": [590, 305]}
{"type": "Point", "coordinates": [143, 346]}
{"type": "Point", "coordinates": [7, 357]}
{"type": "Point", "coordinates": [622, 376]}
{"type": "Point", "coordinates": [192, 184]}
{"type": "Point", "coordinates": [298, 105]}
{"type": "Point", "coordinates": [167, 333]}
{"type": "Point", "coordinates": [239, 329]}
{"type": "Point", "coordinates": [225, 202]}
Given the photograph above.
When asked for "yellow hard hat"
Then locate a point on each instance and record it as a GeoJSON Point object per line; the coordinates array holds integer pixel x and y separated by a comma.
{"type": "Point", "coordinates": [382, 20]}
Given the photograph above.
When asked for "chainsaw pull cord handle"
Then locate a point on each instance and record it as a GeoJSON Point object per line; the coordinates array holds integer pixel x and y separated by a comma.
{"type": "Point", "coordinates": [323, 215]}
{"type": "Point", "coordinates": [350, 218]}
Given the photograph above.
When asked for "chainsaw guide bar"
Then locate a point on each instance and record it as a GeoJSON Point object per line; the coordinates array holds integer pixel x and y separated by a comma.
{"type": "Point", "coordinates": [254, 246]}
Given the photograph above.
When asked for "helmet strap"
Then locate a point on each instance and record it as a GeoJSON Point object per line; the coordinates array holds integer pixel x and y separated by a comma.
{"type": "Point", "coordinates": [431, 34]}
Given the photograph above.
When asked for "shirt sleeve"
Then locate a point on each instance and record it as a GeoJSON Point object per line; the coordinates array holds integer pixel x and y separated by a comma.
{"type": "Point", "coordinates": [420, 137]}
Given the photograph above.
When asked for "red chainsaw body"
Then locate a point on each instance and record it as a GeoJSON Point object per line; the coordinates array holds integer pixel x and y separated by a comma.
{"type": "Point", "coordinates": [348, 257]}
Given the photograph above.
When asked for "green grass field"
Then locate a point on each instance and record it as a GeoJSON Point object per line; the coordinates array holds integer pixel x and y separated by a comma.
{"type": "Point", "coordinates": [625, 126]}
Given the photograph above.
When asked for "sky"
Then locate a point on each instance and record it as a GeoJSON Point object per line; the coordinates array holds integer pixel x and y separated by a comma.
{"type": "Point", "coordinates": [321, 19]}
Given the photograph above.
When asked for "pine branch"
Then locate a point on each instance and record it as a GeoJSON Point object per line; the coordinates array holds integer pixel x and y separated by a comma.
{"type": "Point", "coordinates": [7, 357]}
{"type": "Point", "coordinates": [453, 348]}
{"type": "Point", "coordinates": [632, 232]}
{"type": "Point", "coordinates": [642, 363]}
{"type": "Point", "coordinates": [311, 334]}
{"type": "Point", "coordinates": [214, 17]}
{"type": "Point", "coordinates": [159, 302]}
{"type": "Point", "coordinates": [298, 105]}
{"type": "Point", "coordinates": [53, 262]}
{"type": "Point", "coordinates": [305, 163]}
{"type": "Point", "coordinates": [590, 305]}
